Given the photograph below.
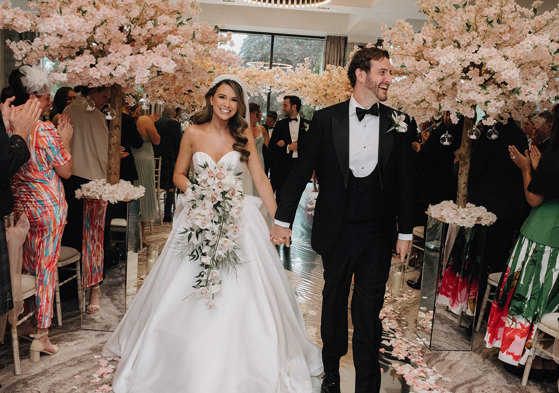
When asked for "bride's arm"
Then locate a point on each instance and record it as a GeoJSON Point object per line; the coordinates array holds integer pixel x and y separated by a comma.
{"type": "Point", "coordinates": [259, 178]}
{"type": "Point", "coordinates": [183, 161]}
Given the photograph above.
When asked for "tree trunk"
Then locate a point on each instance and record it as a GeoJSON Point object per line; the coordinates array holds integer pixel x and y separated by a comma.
{"type": "Point", "coordinates": [115, 130]}
{"type": "Point", "coordinates": [464, 154]}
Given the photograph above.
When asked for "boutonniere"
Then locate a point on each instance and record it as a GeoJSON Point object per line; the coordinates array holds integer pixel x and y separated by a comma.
{"type": "Point", "coordinates": [306, 126]}
{"type": "Point", "coordinates": [398, 123]}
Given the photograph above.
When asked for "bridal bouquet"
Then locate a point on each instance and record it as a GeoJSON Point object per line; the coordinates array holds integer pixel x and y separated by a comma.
{"type": "Point", "coordinates": [215, 201]}
{"type": "Point", "coordinates": [112, 193]}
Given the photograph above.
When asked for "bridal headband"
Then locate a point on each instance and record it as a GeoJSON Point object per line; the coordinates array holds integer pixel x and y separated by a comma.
{"type": "Point", "coordinates": [35, 79]}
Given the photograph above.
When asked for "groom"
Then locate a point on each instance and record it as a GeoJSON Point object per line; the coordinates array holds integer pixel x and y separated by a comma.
{"type": "Point", "coordinates": [362, 161]}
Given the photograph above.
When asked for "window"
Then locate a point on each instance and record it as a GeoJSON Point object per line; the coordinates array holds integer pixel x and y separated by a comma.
{"type": "Point", "coordinates": [275, 50]}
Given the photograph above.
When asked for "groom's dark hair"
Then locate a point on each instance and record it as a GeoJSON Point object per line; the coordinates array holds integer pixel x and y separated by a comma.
{"type": "Point", "coordinates": [294, 100]}
{"type": "Point", "coordinates": [362, 60]}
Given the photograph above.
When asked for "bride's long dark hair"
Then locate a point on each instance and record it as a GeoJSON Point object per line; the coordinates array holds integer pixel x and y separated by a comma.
{"type": "Point", "coordinates": [237, 123]}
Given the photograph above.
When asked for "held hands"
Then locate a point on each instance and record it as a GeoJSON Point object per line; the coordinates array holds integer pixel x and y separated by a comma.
{"type": "Point", "coordinates": [280, 235]}
{"type": "Point", "coordinates": [65, 130]}
{"type": "Point", "coordinates": [520, 160]}
{"type": "Point", "coordinates": [22, 120]}
{"type": "Point", "coordinates": [402, 249]}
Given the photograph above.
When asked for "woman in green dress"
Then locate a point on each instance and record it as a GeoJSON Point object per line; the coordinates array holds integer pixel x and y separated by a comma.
{"type": "Point", "coordinates": [529, 287]}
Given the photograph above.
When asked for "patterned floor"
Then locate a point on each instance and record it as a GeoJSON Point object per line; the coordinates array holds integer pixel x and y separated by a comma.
{"type": "Point", "coordinates": [78, 368]}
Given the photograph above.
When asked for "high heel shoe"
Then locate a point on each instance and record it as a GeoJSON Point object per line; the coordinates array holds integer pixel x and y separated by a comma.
{"type": "Point", "coordinates": [94, 308]}
{"type": "Point", "coordinates": [37, 347]}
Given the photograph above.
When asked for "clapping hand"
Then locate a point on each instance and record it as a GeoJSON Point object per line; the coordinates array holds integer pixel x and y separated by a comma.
{"type": "Point", "coordinates": [123, 153]}
{"type": "Point", "coordinates": [280, 235]}
{"type": "Point", "coordinates": [65, 129]}
{"type": "Point", "coordinates": [535, 156]}
{"type": "Point", "coordinates": [22, 120]}
{"type": "Point", "coordinates": [520, 160]}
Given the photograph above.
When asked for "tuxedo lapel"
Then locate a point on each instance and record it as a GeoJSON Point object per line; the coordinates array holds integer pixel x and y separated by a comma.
{"type": "Point", "coordinates": [385, 138]}
{"type": "Point", "coordinates": [340, 134]}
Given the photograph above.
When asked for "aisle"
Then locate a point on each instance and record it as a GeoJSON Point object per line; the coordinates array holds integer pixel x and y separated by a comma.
{"type": "Point", "coordinates": [73, 368]}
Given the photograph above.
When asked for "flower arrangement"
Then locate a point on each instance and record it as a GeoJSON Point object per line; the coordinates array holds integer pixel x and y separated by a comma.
{"type": "Point", "coordinates": [468, 216]}
{"type": "Point", "coordinates": [214, 198]}
{"type": "Point", "coordinates": [112, 193]}
{"type": "Point", "coordinates": [474, 54]}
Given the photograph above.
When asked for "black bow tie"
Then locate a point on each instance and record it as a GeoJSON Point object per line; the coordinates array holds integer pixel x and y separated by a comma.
{"type": "Point", "coordinates": [360, 112]}
{"type": "Point", "coordinates": [294, 119]}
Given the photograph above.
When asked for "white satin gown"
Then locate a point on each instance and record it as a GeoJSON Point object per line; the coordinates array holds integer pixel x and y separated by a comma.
{"type": "Point", "coordinates": [253, 341]}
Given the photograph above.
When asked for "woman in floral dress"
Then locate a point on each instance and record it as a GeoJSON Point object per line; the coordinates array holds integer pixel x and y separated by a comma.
{"type": "Point", "coordinates": [529, 287]}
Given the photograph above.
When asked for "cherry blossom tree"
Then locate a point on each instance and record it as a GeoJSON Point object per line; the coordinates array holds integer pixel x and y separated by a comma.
{"type": "Point", "coordinates": [153, 44]}
{"type": "Point", "coordinates": [495, 56]}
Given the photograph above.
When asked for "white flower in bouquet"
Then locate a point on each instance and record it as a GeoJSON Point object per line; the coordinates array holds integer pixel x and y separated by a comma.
{"type": "Point", "coordinates": [215, 199]}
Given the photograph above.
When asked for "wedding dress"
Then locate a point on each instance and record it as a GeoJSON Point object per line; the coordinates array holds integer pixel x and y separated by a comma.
{"type": "Point", "coordinates": [253, 341]}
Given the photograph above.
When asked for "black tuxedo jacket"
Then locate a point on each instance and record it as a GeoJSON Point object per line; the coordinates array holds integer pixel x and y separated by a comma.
{"type": "Point", "coordinates": [13, 154]}
{"type": "Point", "coordinates": [325, 149]}
{"type": "Point", "coordinates": [281, 132]}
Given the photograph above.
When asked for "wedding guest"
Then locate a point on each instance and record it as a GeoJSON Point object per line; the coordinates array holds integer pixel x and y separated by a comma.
{"type": "Point", "coordinates": [257, 130]}
{"type": "Point", "coordinates": [39, 195]}
{"type": "Point", "coordinates": [143, 159]}
{"type": "Point", "coordinates": [284, 142]}
{"type": "Point", "coordinates": [168, 149]}
{"type": "Point", "coordinates": [542, 130]}
{"type": "Point", "coordinates": [64, 96]}
{"type": "Point", "coordinates": [90, 147]}
{"type": "Point", "coordinates": [13, 154]}
{"type": "Point", "coordinates": [363, 165]}
{"type": "Point", "coordinates": [271, 119]}
{"type": "Point", "coordinates": [529, 287]}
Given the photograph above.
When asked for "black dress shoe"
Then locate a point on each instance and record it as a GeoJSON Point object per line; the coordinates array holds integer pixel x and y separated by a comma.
{"type": "Point", "coordinates": [414, 284]}
{"type": "Point", "coordinates": [330, 383]}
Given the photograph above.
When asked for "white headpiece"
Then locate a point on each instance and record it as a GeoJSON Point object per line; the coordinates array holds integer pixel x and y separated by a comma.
{"type": "Point", "coordinates": [35, 79]}
{"type": "Point", "coordinates": [240, 82]}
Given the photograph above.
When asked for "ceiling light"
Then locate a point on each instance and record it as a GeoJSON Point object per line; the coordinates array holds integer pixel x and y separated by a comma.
{"type": "Point", "coordinates": [289, 3]}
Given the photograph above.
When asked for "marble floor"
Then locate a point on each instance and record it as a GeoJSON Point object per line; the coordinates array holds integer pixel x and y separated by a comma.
{"type": "Point", "coordinates": [78, 367]}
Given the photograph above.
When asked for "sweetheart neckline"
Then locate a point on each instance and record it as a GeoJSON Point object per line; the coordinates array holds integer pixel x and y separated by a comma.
{"type": "Point", "coordinates": [211, 158]}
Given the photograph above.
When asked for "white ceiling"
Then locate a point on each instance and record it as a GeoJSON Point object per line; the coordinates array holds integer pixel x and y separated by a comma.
{"type": "Point", "coordinates": [359, 20]}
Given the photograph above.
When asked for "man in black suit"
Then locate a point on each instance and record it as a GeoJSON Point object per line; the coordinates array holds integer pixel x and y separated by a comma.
{"type": "Point", "coordinates": [362, 161]}
{"type": "Point", "coordinates": [168, 149]}
{"type": "Point", "coordinates": [287, 135]}
{"type": "Point", "coordinates": [271, 120]}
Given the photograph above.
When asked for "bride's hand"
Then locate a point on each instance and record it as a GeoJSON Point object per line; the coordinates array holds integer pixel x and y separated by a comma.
{"type": "Point", "coordinates": [280, 235]}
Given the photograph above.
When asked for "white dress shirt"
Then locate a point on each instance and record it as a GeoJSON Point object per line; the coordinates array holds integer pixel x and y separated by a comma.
{"type": "Point", "coordinates": [294, 132]}
{"type": "Point", "coordinates": [363, 141]}
{"type": "Point", "coordinates": [363, 149]}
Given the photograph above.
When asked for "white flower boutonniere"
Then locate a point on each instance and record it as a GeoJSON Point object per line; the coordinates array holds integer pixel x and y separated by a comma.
{"type": "Point", "coordinates": [398, 123]}
{"type": "Point", "coordinates": [306, 126]}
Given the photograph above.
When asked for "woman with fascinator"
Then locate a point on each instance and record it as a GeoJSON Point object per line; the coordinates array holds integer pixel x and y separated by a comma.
{"type": "Point", "coordinates": [39, 195]}
{"type": "Point", "coordinates": [216, 314]}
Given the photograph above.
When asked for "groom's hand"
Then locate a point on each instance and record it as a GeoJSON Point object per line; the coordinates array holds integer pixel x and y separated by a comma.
{"type": "Point", "coordinates": [280, 235]}
{"type": "Point", "coordinates": [402, 249]}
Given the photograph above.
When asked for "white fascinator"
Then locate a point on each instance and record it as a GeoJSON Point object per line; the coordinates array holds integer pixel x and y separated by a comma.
{"type": "Point", "coordinates": [35, 79]}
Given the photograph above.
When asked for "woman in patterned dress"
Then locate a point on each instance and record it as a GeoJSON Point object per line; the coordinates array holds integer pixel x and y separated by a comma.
{"type": "Point", "coordinates": [529, 287]}
{"type": "Point", "coordinates": [39, 195]}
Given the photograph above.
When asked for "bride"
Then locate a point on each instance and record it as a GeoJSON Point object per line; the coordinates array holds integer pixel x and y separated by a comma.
{"type": "Point", "coordinates": [212, 319]}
